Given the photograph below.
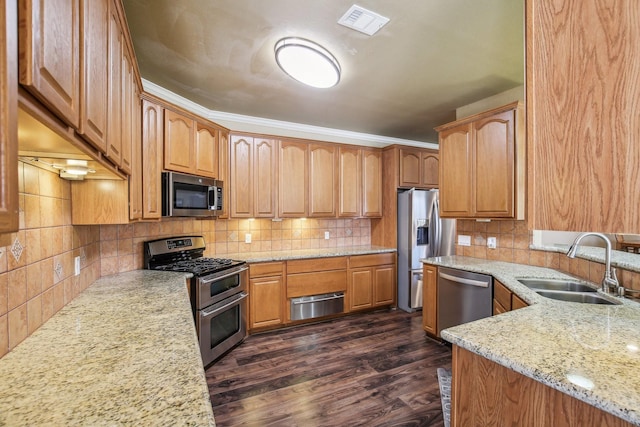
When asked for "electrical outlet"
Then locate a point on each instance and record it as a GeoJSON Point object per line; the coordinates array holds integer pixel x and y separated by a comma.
{"type": "Point", "coordinates": [76, 269]}
{"type": "Point", "coordinates": [464, 240]}
{"type": "Point", "coordinates": [326, 235]}
{"type": "Point", "coordinates": [247, 238]}
{"type": "Point", "coordinates": [491, 242]}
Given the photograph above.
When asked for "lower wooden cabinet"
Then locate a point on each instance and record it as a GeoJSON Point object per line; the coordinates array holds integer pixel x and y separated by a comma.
{"type": "Point", "coordinates": [430, 299]}
{"type": "Point", "coordinates": [371, 281]}
{"type": "Point", "coordinates": [504, 300]}
{"type": "Point", "coordinates": [266, 295]}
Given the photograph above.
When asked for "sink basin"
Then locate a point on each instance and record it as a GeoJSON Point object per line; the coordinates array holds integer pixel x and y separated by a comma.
{"type": "Point", "coordinates": [572, 296]}
{"type": "Point", "coordinates": [557, 285]}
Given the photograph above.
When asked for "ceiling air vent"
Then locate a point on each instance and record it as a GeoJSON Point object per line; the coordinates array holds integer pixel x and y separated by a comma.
{"type": "Point", "coordinates": [363, 20]}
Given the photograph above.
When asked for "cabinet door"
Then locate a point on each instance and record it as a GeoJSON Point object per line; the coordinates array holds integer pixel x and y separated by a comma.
{"type": "Point", "coordinates": [135, 179]}
{"type": "Point", "coordinates": [410, 168]}
{"type": "Point", "coordinates": [371, 183]}
{"type": "Point", "coordinates": [206, 151]}
{"type": "Point", "coordinates": [430, 167]}
{"type": "Point", "coordinates": [94, 35]}
{"type": "Point", "coordinates": [360, 289]}
{"type": "Point", "coordinates": [455, 178]}
{"type": "Point", "coordinates": [384, 285]}
{"type": "Point", "coordinates": [266, 296]}
{"type": "Point", "coordinates": [223, 171]}
{"type": "Point", "coordinates": [241, 191]}
{"type": "Point", "coordinates": [430, 299]}
{"type": "Point", "coordinates": [114, 135]}
{"type": "Point", "coordinates": [293, 181]}
{"type": "Point", "coordinates": [265, 170]}
{"type": "Point", "coordinates": [322, 180]}
{"type": "Point", "coordinates": [179, 137]}
{"type": "Point", "coordinates": [50, 46]}
{"type": "Point", "coordinates": [494, 165]}
{"type": "Point", "coordinates": [152, 139]}
{"type": "Point", "coordinates": [8, 116]}
{"type": "Point", "coordinates": [350, 186]}
{"type": "Point", "coordinates": [127, 113]}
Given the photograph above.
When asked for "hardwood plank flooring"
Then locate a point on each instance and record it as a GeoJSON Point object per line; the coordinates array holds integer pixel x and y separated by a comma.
{"type": "Point", "coordinates": [373, 369]}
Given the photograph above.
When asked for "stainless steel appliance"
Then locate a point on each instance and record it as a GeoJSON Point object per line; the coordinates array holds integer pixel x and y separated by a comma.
{"type": "Point", "coordinates": [218, 291]}
{"type": "Point", "coordinates": [463, 297]}
{"type": "Point", "coordinates": [317, 306]}
{"type": "Point", "coordinates": [421, 234]}
{"type": "Point", "coordinates": [190, 195]}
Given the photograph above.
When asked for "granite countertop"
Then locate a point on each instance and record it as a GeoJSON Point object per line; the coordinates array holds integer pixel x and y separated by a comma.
{"type": "Point", "coordinates": [308, 253]}
{"type": "Point", "coordinates": [589, 351]}
{"type": "Point", "coordinates": [123, 352]}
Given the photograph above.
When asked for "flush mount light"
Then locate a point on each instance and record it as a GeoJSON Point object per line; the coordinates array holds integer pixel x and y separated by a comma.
{"type": "Point", "coordinates": [307, 62]}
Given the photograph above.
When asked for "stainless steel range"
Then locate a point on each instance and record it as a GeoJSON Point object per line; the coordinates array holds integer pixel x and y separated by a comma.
{"type": "Point", "coordinates": [218, 291]}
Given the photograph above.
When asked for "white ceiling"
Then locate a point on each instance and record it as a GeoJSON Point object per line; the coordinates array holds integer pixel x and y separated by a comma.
{"type": "Point", "coordinates": [431, 58]}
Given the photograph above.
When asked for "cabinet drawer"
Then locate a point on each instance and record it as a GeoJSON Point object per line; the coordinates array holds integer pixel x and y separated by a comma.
{"type": "Point", "coordinates": [316, 264]}
{"type": "Point", "coordinates": [370, 260]}
{"type": "Point", "coordinates": [502, 295]}
{"type": "Point", "coordinates": [265, 269]}
{"type": "Point", "coordinates": [305, 284]}
{"type": "Point", "coordinates": [517, 302]}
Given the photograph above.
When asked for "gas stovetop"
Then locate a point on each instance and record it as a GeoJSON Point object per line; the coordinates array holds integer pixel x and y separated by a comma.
{"type": "Point", "coordinates": [183, 254]}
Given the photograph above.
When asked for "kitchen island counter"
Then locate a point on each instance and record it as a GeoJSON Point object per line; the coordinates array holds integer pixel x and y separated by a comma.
{"type": "Point", "coordinates": [268, 256]}
{"type": "Point", "coordinates": [123, 352]}
{"type": "Point", "coordinates": [588, 351]}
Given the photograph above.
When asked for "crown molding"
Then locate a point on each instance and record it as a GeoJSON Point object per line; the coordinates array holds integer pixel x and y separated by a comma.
{"type": "Point", "coordinates": [241, 123]}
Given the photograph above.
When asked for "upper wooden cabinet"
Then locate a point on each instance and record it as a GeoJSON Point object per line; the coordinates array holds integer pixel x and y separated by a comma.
{"type": "Point", "coordinates": [360, 182]}
{"type": "Point", "coordinates": [418, 168]}
{"type": "Point", "coordinates": [323, 180]}
{"type": "Point", "coordinates": [293, 179]}
{"type": "Point", "coordinates": [152, 138]}
{"type": "Point", "coordinates": [9, 217]}
{"type": "Point", "coordinates": [482, 165]}
{"type": "Point", "coordinates": [50, 46]}
{"type": "Point", "coordinates": [253, 172]}
{"type": "Point", "coordinates": [189, 146]}
{"type": "Point", "coordinates": [582, 115]}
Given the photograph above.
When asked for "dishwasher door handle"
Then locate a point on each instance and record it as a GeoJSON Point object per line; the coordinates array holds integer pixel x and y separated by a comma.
{"type": "Point", "coordinates": [470, 282]}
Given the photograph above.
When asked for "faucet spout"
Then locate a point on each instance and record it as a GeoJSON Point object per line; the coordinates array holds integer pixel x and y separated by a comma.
{"type": "Point", "coordinates": [610, 281]}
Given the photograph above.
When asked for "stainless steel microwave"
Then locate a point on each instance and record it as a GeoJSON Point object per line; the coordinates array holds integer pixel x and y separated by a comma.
{"type": "Point", "coordinates": [190, 195]}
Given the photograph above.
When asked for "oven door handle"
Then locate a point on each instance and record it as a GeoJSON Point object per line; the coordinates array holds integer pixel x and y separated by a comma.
{"type": "Point", "coordinates": [233, 273]}
{"type": "Point", "coordinates": [216, 310]}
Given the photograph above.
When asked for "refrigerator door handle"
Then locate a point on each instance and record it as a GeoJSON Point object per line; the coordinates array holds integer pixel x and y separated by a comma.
{"type": "Point", "coordinates": [438, 238]}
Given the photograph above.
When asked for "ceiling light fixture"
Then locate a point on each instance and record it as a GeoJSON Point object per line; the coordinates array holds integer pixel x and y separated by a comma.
{"type": "Point", "coordinates": [307, 62]}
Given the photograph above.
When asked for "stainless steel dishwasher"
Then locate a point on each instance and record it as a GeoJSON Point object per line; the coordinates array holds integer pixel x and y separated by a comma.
{"type": "Point", "coordinates": [463, 297]}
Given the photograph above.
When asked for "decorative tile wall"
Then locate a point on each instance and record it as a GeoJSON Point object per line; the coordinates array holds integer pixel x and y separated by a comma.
{"type": "Point", "coordinates": [36, 268]}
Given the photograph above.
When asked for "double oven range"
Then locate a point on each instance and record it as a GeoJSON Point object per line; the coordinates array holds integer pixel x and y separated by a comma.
{"type": "Point", "coordinates": [218, 291]}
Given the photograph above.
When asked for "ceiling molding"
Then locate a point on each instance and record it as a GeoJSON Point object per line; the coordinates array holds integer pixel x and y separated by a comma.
{"type": "Point", "coordinates": [241, 123]}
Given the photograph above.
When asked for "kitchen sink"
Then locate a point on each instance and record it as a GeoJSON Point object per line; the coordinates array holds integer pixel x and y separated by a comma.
{"type": "Point", "coordinates": [572, 296]}
{"type": "Point", "coordinates": [567, 285]}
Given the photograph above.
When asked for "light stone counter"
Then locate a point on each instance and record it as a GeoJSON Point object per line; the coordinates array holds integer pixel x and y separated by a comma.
{"type": "Point", "coordinates": [589, 351]}
{"type": "Point", "coordinates": [123, 352]}
{"type": "Point", "coordinates": [308, 253]}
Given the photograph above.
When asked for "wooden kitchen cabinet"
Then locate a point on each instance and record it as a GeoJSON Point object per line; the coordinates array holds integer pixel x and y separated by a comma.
{"type": "Point", "coordinates": [9, 215]}
{"type": "Point", "coordinates": [504, 300]}
{"type": "Point", "coordinates": [266, 295]}
{"type": "Point", "coordinates": [418, 168]}
{"type": "Point", "coordinates": [371, 183]}
{"type": "Point", "coordinates": [115, 94]}
{"type": "Point", "coordinates": [152, 140]}
{"type": "Point", "coordinates": [323, 180]}
{"type": "Point", "coordinates": [482, 165]}
{"type": "Point", "coordinates": [359, 182]}
{"type": "Point", "coordinates": [253, 173]}
{"type": "Point", "coordinates": [223, 171]}
{"type": "Point", "coordinates": [50, 48]}
{"type": "Point", "coordinates": [205, 151]}
{"type": "Point", "coordinates": [293, 179]}
{"type": "Point", "coordinates": [127, 114]}
{"type": "Point", "coordinates": [372, 281]}
{"type": "Point", "coordinates": [582, 116]}
{"type": "Point", "coordinates": [430, 299]}
{"type": "Point", "coordinates": [136, 200]}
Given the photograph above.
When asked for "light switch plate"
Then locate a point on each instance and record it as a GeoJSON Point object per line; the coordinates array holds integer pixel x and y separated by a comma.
{"type": "Point", "coordinates": [247, 238]}
{"type": "Point", "coordinates": [326, 235]}
{"type": "Point", "coordinates": [464, 240]}
{"type": "Point", "coordinates": [76, 269]}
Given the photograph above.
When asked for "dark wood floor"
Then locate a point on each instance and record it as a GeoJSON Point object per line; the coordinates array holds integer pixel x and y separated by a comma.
{"type": "Point", "coordinates": [373, 369]}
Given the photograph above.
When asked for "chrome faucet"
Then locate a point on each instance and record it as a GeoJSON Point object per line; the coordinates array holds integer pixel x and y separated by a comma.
{"type": "Point", "coordinates": [610, 281]}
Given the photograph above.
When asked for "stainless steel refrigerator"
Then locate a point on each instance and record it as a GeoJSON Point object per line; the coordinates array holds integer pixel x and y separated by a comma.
{"type": "Point", "coordinates": [421, 234]}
